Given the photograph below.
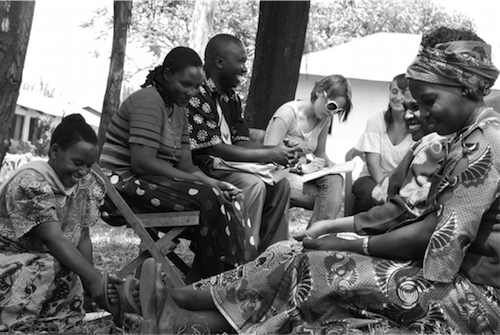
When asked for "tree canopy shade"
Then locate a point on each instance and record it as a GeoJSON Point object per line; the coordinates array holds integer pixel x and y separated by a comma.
{"type": "Point", "coordinates": [278, 51]}
{"type": "Point", "coordinates": [160, 25]}
{"type": "Point", "coordinates": [121, 17]}
{"type": "Point", "coordinates": [16, 18]}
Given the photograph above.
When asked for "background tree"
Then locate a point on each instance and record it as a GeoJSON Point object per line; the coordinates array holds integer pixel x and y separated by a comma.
{"type": "Point", "coordinates": [201, 25]}
{"type": "Point", "coordinates": [278, 51]}
{"type": "Point", "coordinates": [157, 26]}
{"type": "Point", "coordinates": [16, 18]}
{"type": "Point", "coordinates": [121, 17]}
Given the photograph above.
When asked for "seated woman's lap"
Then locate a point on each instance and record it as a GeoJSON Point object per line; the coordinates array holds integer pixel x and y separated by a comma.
{"type": "Point", "coordinates": [220, 232]}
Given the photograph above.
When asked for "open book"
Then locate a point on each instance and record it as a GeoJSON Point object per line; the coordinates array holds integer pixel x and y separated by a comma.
{"type": "Point", "coordinates": [337, 168]}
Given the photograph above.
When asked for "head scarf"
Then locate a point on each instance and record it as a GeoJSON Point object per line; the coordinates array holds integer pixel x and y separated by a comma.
{"type": "Point", "coordinates": [457, 63]}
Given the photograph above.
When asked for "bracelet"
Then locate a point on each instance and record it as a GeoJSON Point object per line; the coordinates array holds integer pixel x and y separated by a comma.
{"type": "Point", "coordinates": [365, 245]}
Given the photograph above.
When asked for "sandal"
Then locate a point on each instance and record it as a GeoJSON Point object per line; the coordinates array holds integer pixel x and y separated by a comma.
{"type": "Point", "coordinates": [127, 303]}
{"type": "Point", "coordinates": [151, 285]}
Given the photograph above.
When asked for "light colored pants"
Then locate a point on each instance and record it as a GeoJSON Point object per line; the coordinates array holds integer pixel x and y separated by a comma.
{"type": "Point", "coordinates": [267, 206]}
{"type": "Point", "coordinates": [323, 195]}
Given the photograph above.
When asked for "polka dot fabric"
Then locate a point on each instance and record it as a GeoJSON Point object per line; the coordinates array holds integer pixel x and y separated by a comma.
{"type": "Point", "coordinates": [224, 233]}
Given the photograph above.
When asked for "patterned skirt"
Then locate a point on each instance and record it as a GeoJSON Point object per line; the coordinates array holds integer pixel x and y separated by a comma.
{"type": "Point", "coordinates": [224, 232]}
{"type": "Point", "coordinates": [34, 288]}
{"type": "Point", "coordinates": [286, 288]}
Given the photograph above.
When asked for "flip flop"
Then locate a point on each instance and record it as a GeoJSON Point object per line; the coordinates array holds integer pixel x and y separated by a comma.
{"type": "Point", "coordinates": [125, 298]}
{"type": "Point", "coordinates": [128, 287]}
{"type": "Point", "coordinates": [149, 288]}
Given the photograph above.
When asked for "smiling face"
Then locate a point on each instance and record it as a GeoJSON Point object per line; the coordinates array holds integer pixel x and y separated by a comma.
{"type": "Point", "coordinates": [396, 97]}
{"type": "Point", "coordinates": [232, 64]}
{"type": "Point", "coordinates": [73, 163]}
{"type": "Point", "coordinates": [416, 124]}
{"type": "Point", "coordinates": [183, 85]}
{"type": "Point", "coordinates": [444, 108]}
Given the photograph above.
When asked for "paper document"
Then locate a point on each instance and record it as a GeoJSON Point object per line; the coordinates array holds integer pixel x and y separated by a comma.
{"type": "Point", "coordinates": [337, 168]}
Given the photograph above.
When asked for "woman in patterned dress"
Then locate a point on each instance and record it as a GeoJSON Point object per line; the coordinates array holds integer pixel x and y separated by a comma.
{"type": "Point", "coordinates": [46, 209]}
{"type": "Point", "coordinates": [437, 272]}
{"type": "Point", "coordinates": [147, 156]}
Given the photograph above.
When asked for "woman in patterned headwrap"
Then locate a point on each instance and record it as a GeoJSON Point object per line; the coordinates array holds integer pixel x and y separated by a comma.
{"type": "Point", "coordinates": [437, 272]}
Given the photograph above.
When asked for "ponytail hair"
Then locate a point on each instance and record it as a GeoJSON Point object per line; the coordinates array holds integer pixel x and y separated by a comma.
{"type": "Point", "coordinates": [72, 129]}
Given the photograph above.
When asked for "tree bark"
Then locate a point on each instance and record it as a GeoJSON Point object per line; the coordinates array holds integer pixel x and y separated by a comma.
{"type": "Point", "coordinates": [122, 11]}
{"type": "Point", "coordinates": [201, 25]}
{"type": "Point", "coordinates": [16, 18]}
{"type": "Point", "coordinates": [279, 46]}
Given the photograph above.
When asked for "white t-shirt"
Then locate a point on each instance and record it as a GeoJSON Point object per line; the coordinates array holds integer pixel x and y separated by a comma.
{"type": "Point", "coordinates": [375, 139]}
{"type": "Point", "coordinates": [289, 114]}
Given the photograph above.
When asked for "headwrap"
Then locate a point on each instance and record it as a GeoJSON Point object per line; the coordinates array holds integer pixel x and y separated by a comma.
{"type": "Point", "coordinates": [457, 63]}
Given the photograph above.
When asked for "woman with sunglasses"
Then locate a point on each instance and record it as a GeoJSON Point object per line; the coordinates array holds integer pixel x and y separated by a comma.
{"type": "Point", "coordinates": [385, 142]}
{"type": "Point", "coordinates": [306, 122]}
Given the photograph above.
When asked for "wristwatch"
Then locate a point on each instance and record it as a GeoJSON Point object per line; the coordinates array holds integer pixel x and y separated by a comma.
{"type": "Point", "coordinates": [298, 168]}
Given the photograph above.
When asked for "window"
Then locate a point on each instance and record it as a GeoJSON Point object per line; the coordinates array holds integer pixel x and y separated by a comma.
{"type": "Point", "coordinates": [16, 130]}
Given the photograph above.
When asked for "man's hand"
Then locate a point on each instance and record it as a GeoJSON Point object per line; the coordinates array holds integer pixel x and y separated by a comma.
{"type": "Point", "coordinates": [285, 155]}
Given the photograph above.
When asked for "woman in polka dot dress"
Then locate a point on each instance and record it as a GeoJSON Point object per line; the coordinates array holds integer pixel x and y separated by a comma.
{"type": "Point", "coordinates": [148, 158]}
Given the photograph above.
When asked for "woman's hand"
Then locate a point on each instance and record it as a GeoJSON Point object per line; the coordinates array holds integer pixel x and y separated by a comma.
{"type": "Point", "coordinates": [230, 191]}
{"type": "Point", "coordinates": [328, 242]}
{"type": "Point", "coordinates": [316, 164]}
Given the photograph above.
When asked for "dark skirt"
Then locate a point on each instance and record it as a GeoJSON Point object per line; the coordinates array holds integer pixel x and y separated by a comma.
{"type": "Point", "coordinates": [224, 232]}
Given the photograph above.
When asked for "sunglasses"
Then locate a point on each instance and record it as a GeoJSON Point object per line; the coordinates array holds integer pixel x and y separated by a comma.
{"type": "Point", "coordinates": [332, 106]}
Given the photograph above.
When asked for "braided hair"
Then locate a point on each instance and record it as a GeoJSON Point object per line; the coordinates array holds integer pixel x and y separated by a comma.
{"type": "Point", "coordinates": [178, 59]}
{"type": "Point", "coordinates": [72, 129]}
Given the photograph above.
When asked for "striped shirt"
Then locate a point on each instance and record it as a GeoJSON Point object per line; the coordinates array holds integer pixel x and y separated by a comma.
{"type": "Point", "coordinates": [144, 119]}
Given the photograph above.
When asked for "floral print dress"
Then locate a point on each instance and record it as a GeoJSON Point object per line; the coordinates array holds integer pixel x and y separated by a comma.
{"type": "Point", "coordinates": [33, 284]}
{"type": "Point", "coordinates": [456, 285]}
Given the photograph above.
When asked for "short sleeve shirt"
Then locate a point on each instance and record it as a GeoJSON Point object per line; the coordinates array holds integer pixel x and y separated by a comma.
{"type": "Point", "coordinates": [29, 200]}
{"type": "Point", "coordinates": [288, 113]}
{"type": "Point", "coordinates": [204, 121]}
{"type": "Point", "coordinates": [144, 119]}
{"type": "Point", "coordinates": [375, 139]}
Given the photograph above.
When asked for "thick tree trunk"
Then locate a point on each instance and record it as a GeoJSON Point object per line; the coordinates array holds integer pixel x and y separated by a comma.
{"type": "Point", "coordinates": [201, 25]}
{"type": "Point", "coordinates": [121, 22]}
{"type": "Point", "coordinates": [279, 46]}
{"type": "Point", "coordinates": [16, 18]}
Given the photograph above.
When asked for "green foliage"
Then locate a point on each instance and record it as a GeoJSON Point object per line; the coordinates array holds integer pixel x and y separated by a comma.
{"type": "Point", "coordinates": [25, 148]}
{"type": "Point", "coordinates": [158, 26]}
{"type": "Point", "coordinates": [42, 134]}
{"type": "Point", "coordinates": [337, 22]}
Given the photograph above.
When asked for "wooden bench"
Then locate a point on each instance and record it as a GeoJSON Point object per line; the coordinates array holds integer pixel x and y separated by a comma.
{"type": "Point", "coordinates": [146, 226]}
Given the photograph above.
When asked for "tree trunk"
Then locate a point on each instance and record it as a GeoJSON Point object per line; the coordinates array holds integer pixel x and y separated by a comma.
{"type": "Point", "coordinates": [122, 11]}
{"type": "Point", "coordinates": [201, 25]}
{"type": "Point", "coordinates": [16, 18]}
{"type": "Point", "coordinates": [279, 46]}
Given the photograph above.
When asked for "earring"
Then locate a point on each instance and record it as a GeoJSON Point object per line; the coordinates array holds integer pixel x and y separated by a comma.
{"type": "Point", "coordinates": [464, 92]}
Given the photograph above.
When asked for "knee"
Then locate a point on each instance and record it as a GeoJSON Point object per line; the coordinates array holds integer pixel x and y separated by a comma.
{"type": "Point", "coordinates": [333, 181]}
{"type": "Point", "coordinates": [283, 186]}
{"type": "Point", "coordinates": [363, 188]}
